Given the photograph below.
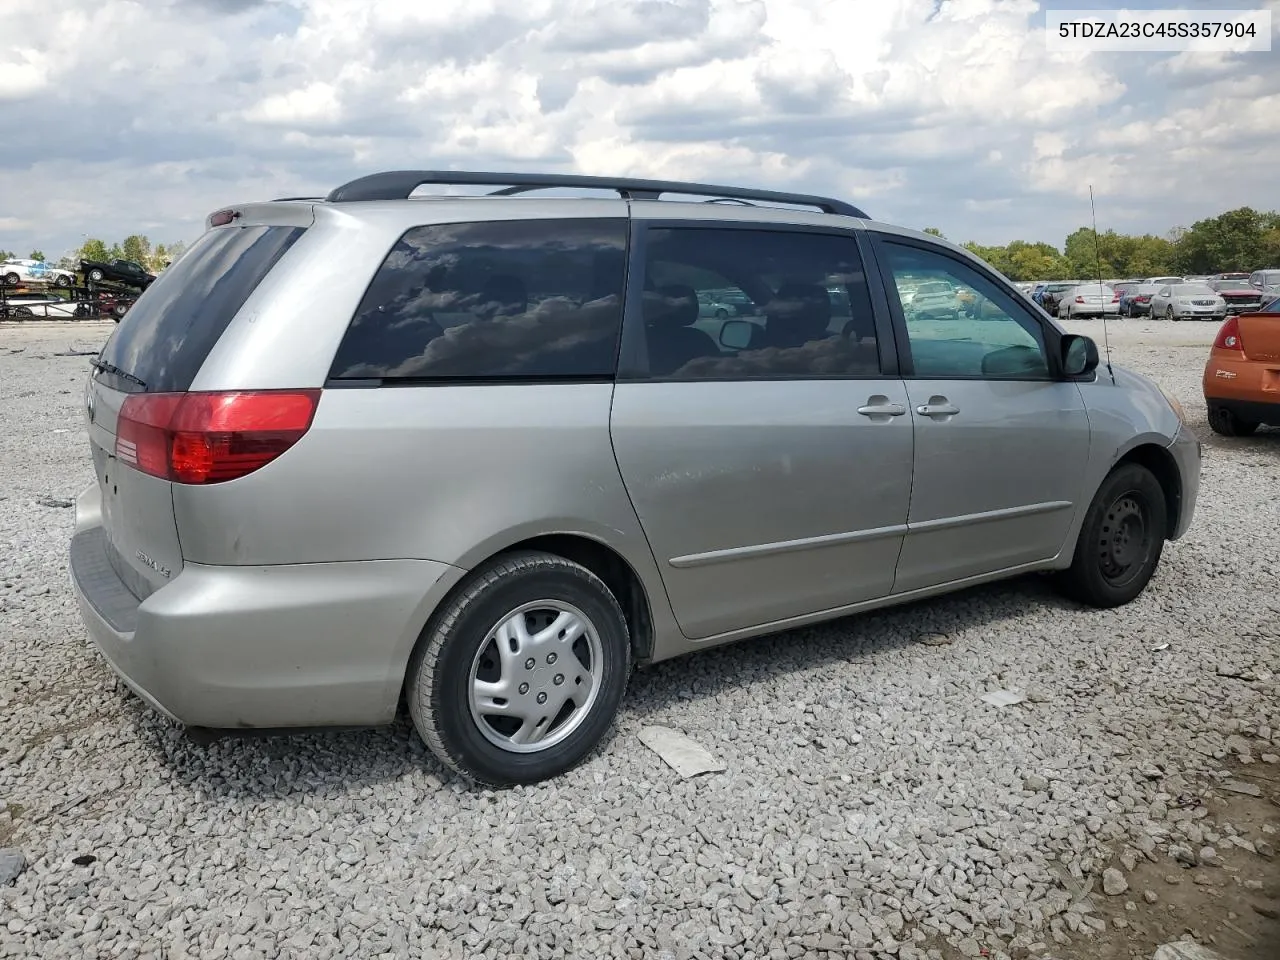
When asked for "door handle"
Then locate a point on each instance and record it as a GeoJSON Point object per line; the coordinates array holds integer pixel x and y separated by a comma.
{"type": "Point", "coordinates": [881, 406]}
{"type": "Point", "coordinates": [938, 408]}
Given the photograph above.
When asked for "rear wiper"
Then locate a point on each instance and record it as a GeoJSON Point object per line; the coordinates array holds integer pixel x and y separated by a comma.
{"type": "Point", "coordinates": [112, 369]}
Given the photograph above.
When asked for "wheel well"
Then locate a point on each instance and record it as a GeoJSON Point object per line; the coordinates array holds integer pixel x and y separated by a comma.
{"type": "Point", "coordinates": [1161, 463]}
{"type": "Point", "coordinates": [609, 565]}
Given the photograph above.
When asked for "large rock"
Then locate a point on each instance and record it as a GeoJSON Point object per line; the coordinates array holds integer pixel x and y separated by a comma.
{"type": "Point", "coordinates": [1185, 950]}
{"type": "Point", "coordinates": [12, 863]}
{"type": "Point", "coordinates": [1113, 882]}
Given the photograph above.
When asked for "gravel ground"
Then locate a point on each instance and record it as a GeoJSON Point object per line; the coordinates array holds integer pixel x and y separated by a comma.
{"type": "Point", "coordinates": [872, 804]}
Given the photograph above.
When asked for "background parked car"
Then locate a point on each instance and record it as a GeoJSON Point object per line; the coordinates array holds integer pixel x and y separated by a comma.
{"type": "Point", "coordinates": [1187, 301]}
{"type": "Point", "coordinates": [1239, 378]}
{"type": "Point", "coordinates": [1241, 296]}
{"type": "Point", "coordinates": [1052, 292]}
{"type": "Point", "coordinates": [15, 272]}
{"type": "Point", "coordinates": [29, 306]}
{"type": "Point", "coordinates": [934, 300]}
{"type": "Point", "coordinates": [1136, 301]}
{"type": "Point", "coordinates": [1262, 279]}
{"type": "Point", "coordinates": [1165, 281]}
{"type": "Point", "coordinates": [1088, 300]}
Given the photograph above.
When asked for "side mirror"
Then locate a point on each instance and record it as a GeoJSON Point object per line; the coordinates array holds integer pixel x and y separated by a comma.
{"type": "Point", "coordinates": [737, 334]}
{"type": "Point", "coordinates": [1079, 355]}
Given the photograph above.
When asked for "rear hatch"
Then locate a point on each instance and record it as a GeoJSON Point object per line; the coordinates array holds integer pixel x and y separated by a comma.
{"type": "Point", "coordinates": [1260, 336]}
{"type": "Point", "coordinates": [154, 355]}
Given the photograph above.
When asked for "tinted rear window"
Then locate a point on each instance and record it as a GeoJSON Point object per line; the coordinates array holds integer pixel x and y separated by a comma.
{"type": "Point", "coordinates": [498, 300]}
{"type": "Point", "coordinates": [165, 337]}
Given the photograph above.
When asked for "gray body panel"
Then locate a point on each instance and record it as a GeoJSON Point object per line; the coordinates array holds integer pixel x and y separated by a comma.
{"type": "Point", "coordinates": [295, 595]}
{"type": "Point", "coordinates": [997, 484]}
{"type": "Point", "coordinates": [765, 500]}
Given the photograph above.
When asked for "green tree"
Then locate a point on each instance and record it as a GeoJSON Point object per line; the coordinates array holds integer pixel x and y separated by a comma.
{"type": "Point", "coordinates": [36, 255]}
{"type": "Point", "coordinates": [935, 232]}
{"type": "Point", "coordinates": [7, 254]}
{"type": "Point", "coordinates": [1235, 240]}
{"type": "Point", "coordinates": [93, 249]}
{"type": "Point", "coordinates": [136, 248]}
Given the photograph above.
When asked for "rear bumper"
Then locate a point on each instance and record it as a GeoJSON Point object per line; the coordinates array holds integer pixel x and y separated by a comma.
{"type": "Point", "coordinates": [306, 645]}
{"type": "Point", "coordinates": [1186, 452]}
{"type": "Point", "coordinates": [1253, 411]}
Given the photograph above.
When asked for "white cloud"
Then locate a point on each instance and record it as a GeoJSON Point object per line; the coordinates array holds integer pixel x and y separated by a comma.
{"type": "Point", "coordinates": [950, 114]}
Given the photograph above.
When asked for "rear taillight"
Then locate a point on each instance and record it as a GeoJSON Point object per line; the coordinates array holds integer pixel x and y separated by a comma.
{"type": "Point", "coordinates": [1079, 299]}
{"type": "Point", "coordinates": [1115, 297]}
{"type": "Point", "coordinates": [202, 438]}
{"type": "Point", "coordinates": [1143, 299]}
{"type": "Point", "coordinates": [1229, 336]}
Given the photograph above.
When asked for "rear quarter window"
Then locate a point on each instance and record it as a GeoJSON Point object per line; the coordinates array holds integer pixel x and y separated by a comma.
{"type": "Point", "coordinates": [496, 300]}
{"type": "Point", "coordinates": [167, 334]}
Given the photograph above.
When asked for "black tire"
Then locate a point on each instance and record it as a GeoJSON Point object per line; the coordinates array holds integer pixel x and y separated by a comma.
{"type": "Point", "coordinates": [12, 279]}
{"type": "Point", "coordinates": [62, 281]}
{"type": "Point", "coordinates": [722, 314]}
{"type": "Point", "coordinates": [1170, 315]}
{"type": "Point", "coordinates": [120, 309]}
{"type": "Point", "coordinates": [1223, 421]}
{"type": "Point", "coordinates": [459, 638]}
{"type": "Point", "coordinates": [1120, 541]}
{"type": "Point", "coordinates": [96, 276]}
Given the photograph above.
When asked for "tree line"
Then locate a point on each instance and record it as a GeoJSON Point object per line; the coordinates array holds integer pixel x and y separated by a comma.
{"type": "Point", "coordinates": [1238, 240]}
{"type": "Point", "coordinates": [134, 247]}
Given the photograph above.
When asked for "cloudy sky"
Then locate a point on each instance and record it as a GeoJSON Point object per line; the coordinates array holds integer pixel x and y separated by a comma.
{"type": "Point", "coordinates": [123, 116]}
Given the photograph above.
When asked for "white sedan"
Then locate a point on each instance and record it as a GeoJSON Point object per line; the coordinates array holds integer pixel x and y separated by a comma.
{"type": "Point", "coordinates": [1187, 301]}
{"type": "Point", "coordinates": [15, 272]}
{"type": "Point", "coordinates": [1089, 300]}
{"type": "Point", "coordinates": [30, 306]}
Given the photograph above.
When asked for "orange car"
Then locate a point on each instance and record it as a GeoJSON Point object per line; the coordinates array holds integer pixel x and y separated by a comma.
{"type": "Point", "coordinates": [1242, 376]}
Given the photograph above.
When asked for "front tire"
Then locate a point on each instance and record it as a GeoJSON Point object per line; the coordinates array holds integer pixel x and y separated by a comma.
{"type": "Point", "coordinates": [1121, 540]}
{"type": "Point", "coordinates": [96, 276]}
{"type": "Point", "coordinates": [12, 279]}
{"type": "Point", "coordinates": [1170, 315]}
{"type": "Point", "coordinates": [1224, 422]}
{"type": "Point", "coordinates": [518, 677]}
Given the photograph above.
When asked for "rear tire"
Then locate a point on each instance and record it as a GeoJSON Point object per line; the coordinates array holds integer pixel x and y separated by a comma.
{"type": "Point", "coordinates": [96, 276]}
{"type": "Point", "coordinates": [1121, 540]}
{"type": "Point", "coordinates": [12, 279]}
{"type": "Point", "coordinates": [1224, 422]}
{"type": "Point", "coordinates": [472, 700]}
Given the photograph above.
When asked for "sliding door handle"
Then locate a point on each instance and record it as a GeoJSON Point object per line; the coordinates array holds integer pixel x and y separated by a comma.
{"type": "Point", "coordinates": [938, 407]}
{"type": "Point", "coordinates": [881, 407]}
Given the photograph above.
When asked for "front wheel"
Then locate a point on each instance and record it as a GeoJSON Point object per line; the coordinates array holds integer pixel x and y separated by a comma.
{"type": "Point", "coordinates": [1170, 315]}
{"type": "Point", "coordinates": [62, 281]}
{"type": "Point", "coordinates": [96, 276]}
{"type": "Point", "coordinates": [722, 314]}
{"type": "Point", "coordinates": [519, 676]}
{"type": "Point", "coordinates": [12, 279]}
{"type": "Point", "coordinates": [1121, 540]}
{"type": "Point", "coordinates": [1224, 422]}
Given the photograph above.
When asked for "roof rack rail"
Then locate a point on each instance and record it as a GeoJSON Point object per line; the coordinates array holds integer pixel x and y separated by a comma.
{"type": "Point", "coordinates": [399, 184]}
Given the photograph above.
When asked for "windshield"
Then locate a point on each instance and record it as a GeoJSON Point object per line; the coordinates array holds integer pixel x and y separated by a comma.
{"type": "Point", "coordinates": [1234, 285]}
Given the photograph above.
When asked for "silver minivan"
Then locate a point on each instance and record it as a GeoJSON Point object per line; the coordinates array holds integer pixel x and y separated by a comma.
{"type": "Point", "coordinates": [485, 454]}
